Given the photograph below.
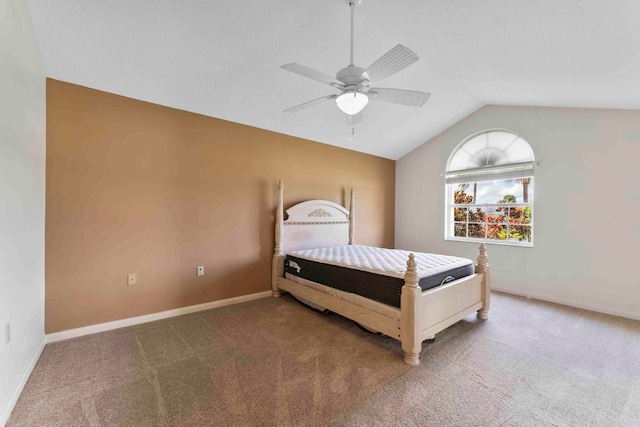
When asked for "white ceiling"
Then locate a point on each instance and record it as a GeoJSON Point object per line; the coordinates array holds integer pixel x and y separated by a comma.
{"type": "Point", "coordinates": [222, 58]}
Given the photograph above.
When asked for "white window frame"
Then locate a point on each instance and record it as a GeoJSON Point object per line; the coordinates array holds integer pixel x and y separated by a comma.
{"type": "Point", "coordinates": [450, 221]}
{"type": "Point", "coordinates": [483, 174]}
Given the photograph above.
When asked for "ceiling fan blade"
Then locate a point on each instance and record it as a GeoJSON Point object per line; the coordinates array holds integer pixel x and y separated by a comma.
{"type": "Point", "coordinates": [399, 96]}
{"type": "Point", "coordinates": [310, 73]}
{"type": "Point", "coordinates": [354, 119]}
{"type": "Point", "coordinates": [390, 63]}
{"type": "Point", "coordinates": [309, 104]}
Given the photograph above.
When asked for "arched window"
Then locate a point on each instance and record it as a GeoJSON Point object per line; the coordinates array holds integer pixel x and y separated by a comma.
{"type": "Point", "coordinates": [489, 188]}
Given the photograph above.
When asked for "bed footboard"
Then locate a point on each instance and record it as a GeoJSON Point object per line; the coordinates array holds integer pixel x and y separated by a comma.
{"type": "Point", "coordinates": [424, 314]}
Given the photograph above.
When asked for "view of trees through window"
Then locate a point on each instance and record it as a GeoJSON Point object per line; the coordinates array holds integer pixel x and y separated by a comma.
{"type": "Point", "coordinates": [493, 210]}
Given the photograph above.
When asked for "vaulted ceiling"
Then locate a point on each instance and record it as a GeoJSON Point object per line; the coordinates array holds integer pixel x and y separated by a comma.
{"type": "Point", "coordinates": [222, 58]}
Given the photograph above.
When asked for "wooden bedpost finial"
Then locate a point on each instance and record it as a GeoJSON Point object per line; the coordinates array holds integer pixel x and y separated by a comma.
{"type": "Point", "coordinates": [483, 258]}
{"type": "Point", "coordinates": [411, 262]}
{"type": "Point", "coordinates": [280, 185]}
{"type": "Point", "coordinates": [411, 278]}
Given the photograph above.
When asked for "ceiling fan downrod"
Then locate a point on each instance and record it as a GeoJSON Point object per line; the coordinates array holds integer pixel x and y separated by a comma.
{"type": "Point", "coordinates": [352, 5]}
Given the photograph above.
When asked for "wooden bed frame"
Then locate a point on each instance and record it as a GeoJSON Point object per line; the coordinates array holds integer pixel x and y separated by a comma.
{"type": "Point", "coordinates": [320, 223]}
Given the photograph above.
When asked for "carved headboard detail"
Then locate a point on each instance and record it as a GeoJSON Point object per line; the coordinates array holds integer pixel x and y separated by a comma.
{"type": "Point", "coordinates": [320, 212]}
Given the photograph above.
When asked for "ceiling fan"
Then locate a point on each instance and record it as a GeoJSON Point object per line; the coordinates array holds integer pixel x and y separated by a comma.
{"type": "Point", "coordinates": [356, 84]}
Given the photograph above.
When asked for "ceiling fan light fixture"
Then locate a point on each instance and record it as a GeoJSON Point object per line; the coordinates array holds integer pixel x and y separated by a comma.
{"type": "Point", "coordinates": [352, 102]}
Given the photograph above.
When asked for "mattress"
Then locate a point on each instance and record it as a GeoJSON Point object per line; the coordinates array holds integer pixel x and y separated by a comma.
{"type": "Point", "coordinates": [374, 273]}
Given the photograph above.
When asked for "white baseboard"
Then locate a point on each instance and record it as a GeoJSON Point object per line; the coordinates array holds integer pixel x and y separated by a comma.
{"type": "Point", "coordinates": [542, 297]}
{"type": "Point", "coordinates": [17, 390]}
{"type": "Point", "coordinates": [116, 324]}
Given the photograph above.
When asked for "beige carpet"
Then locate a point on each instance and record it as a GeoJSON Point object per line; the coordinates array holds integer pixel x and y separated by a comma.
{"type": "Point", "coordinates": [273, 362]}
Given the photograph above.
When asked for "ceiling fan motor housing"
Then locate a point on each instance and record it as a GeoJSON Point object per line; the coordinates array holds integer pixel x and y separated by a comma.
{"type": "Point", "coordinates": [351, 76]}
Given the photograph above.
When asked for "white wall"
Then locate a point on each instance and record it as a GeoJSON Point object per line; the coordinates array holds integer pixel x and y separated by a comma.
{"type": "Point", "coordinates": [22, 199]}
{"type": "Point", "coordinates": [586, 211]}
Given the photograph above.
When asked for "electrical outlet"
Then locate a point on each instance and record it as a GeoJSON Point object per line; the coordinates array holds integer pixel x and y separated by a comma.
{"type": "Point", "coordinates": [200, 270]}
{"type": "Point", "coordinates": [7, 333]}
{"type": "Point", "coordinates": [132, 279]}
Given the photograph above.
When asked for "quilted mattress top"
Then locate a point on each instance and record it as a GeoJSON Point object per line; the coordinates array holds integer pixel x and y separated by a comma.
{"type": "Point", "coordinates": [387, 262]}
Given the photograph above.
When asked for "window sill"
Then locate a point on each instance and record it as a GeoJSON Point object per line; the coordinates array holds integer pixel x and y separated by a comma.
{"type": "Point", "coordinates": [491, 242]}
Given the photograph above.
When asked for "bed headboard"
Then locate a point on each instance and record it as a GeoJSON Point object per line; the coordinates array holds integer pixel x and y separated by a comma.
{"type": "Point", "coordinates": [310, 224]}
{"type": "Point", "coordinates": [313, 224]}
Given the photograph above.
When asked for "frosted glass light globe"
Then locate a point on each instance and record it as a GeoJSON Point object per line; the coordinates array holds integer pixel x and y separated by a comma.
{"type": "Point", "coordinates": [352, 102]}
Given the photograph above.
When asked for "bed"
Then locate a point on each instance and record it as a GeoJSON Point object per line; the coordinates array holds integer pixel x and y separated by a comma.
{"type": "Point", "coordinates": [322, 232]}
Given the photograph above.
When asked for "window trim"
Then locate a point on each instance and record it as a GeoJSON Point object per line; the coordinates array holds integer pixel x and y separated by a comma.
{"type": "Point", "coordinates": [451, 222]}
{"type": "Point", "coordinates": [482, 174]}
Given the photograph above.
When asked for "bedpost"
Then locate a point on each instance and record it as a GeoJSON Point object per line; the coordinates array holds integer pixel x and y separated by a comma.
{"type": "Point", "coordinates": [483, 268]}
{"type": "Point", "coordinates": [409, 307]}
{"type": "Point", "coordinates": [352, 218]}
{"type": "Point", "coordinates": [277, 267]}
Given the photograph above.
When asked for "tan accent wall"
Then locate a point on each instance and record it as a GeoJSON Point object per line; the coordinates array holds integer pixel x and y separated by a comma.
{"type": "Point", "coordinates": [134, 187]}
